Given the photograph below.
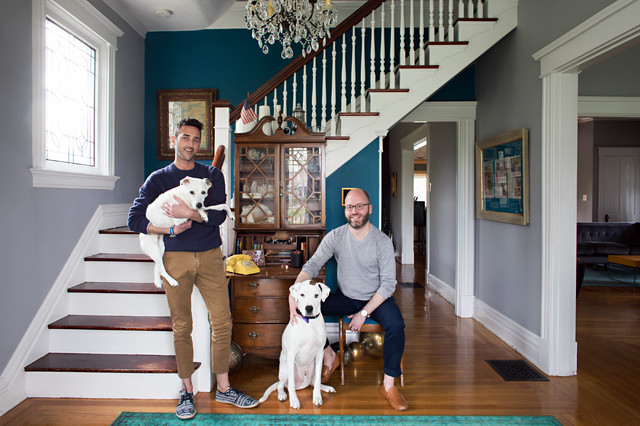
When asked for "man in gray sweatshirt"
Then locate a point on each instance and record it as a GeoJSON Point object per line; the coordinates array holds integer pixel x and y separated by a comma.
{"type": "Point", "coordinates": [366, 282]}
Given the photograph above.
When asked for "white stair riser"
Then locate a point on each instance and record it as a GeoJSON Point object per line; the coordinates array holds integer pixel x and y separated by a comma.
{"type": "Point", "coordinates": [384, 99]}
{"type": "Point", "coordinates": [118, 304]}
{"type": "Point", "coordinates": [104, 385]}
{"type": "Point", "coordinates": [120, 243]}
{"type": "Point", "coordinates": [119, 271]}
{"type": "Point", "coordinates": [466, 30]}
{"type": "Point", "coordinates": [437, 54]}
{"type": "Point", "coordinates": [407, 77]}
{"type": "Point", "coordinates": [349, 125]}
{"type": "Point", "coordinates": [111, 342]}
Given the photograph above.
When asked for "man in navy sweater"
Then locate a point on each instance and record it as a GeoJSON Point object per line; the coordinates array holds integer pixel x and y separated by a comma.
{"type": "Point", "coordinates": [193, 257]}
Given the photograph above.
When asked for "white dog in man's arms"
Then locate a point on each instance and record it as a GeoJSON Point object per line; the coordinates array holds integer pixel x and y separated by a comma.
{"type": "Point", "coordinates": [193, 191]}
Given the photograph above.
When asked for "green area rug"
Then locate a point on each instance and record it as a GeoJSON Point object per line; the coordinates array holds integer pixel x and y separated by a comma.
{"type": "Point", "coordinates": [155, 419]}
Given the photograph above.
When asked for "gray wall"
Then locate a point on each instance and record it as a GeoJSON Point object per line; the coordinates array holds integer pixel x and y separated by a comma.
{"type": "Point", "coordinates": [41, 226]}
{"type": "Point", "coordinates": [509, 95]}
{"type": "Point", "coordinates": [442, 203]}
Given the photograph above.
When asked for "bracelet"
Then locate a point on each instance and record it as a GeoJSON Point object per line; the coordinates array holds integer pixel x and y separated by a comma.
{"type": "Point", "coordinates": [172, 234]}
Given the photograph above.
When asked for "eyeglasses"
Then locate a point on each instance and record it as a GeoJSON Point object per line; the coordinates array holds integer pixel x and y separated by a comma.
{"type": "Point", "coordinates": [359, 207]}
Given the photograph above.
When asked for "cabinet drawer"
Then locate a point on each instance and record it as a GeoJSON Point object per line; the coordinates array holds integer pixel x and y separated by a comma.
{"type": "Point", "coordinates": [261, 287]}
{"type": "Point", "coordinates": [274, 310]}
{"type": "Point", "coordinates": [258, 335]}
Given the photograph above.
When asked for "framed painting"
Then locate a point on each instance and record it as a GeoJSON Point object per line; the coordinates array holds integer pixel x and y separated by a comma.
{"type": "Point", "coordinates": [174, 105]}
{"type": "Point", "coordinates": [345, 191]}
{"type": "Point", "coordinates": [502, 178]}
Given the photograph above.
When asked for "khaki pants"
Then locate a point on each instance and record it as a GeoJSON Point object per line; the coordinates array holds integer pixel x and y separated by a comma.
{"type": "Point", "coordinates": [205, 270]}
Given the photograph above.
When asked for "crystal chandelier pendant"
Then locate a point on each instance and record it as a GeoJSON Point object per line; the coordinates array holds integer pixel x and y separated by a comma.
{"type": "Point", "coordinates": [290, 21]}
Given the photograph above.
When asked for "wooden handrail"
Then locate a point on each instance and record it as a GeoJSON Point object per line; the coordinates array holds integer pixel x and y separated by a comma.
{"type": "Point", "coordinates": [300, 61]}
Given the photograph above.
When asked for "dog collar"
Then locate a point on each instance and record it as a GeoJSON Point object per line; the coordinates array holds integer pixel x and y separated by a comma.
{"type": "Point", "coordinates": [305, 318]}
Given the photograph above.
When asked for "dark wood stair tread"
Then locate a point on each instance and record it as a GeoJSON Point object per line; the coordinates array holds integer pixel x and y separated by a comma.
{"type": "Point", "coordinates": [116, 287]}
{"type": "Point", "coordinates": [118, 257]}
{"type": "Point", "coordinates": [117, 230]}
{"type": "Point", "coordinates": [106, 363]}
{"type": "Point", "coordinates": [112, 322]}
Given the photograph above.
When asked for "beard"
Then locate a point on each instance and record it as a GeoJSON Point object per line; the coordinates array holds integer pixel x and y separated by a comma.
{"type": "Point", "coordinates": [359, 223]}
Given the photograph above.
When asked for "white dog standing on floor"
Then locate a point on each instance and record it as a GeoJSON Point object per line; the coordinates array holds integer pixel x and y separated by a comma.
{"type": "Point", "coordinates": [303, 346]}
{"type": "Point", "coordinates": [193, 192]}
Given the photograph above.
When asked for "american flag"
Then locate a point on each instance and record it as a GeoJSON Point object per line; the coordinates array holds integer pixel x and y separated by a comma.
{"type": "Point", "coordinates": [247, 115]}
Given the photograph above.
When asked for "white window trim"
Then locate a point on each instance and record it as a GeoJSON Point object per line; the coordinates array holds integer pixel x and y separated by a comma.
{"type": "Point", "coordinates": [78, 16]}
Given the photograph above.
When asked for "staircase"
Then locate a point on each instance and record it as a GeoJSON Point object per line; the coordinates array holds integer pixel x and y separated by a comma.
{"type": "Point", "coordinates": [116, 341]}
{"type": "Point", "coordinates": [364, 81]}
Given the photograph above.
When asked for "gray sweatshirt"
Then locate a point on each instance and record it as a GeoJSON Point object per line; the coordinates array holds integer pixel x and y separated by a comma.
{"type": "Point", "coordinates": [364, 267]}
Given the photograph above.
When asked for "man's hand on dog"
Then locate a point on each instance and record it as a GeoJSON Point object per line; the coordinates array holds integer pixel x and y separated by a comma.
{"type": "Point", "coordinates": [179, 210]}
{"type": "Point", "coordinates": [293, 314]}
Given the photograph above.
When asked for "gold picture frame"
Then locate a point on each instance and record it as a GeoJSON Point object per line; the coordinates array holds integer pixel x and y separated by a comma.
{"type": "Point", "coordinates": [344, 193]}
{"type": "Point", "coordinates": [502, 178]}
{"type": "Point", "coordinates": [174, 105]}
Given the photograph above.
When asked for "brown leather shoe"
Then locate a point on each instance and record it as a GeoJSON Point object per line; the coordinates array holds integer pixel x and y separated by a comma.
{"type": "Point", "coordinates": [394, 397]}
{"type": "Point", "coordinates": [328, 371]}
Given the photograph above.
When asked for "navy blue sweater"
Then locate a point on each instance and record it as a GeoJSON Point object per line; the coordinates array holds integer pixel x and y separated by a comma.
{"type": "Point", "coordinates": [201, 236]}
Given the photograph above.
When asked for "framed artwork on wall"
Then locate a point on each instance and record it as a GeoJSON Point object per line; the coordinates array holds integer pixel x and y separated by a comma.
{"type": "Point", "coordinates": [345, 191]}
{"type": "Point", "coordinates": [174, 105]}
{"type": "Point", "coordinates": [502, 178]}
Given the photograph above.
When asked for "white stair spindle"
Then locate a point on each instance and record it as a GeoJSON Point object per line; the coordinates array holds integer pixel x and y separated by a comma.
{"type": "Point", "coordinates": [392, 48]}
{"type": "Point", "coordinates": [470, 13]}
{"type": "Point", "coordinates": [382, 72]}
{"type": "Point", "coordinates": [480, 9]}
{"type": "Point", "coordinates": [343, 76]}
{"type": "Point", "coordinates": [363, 73]}
{"type": "Point", "coordinates": [440, 20]}
{"type": "Point", "coordinates": [412, 52]}
{"type": "Point", "coordinates": [353, 70]}
{"type": "Point", "coordinates": [460, 9]}
{"type": "Point", "coordinates": [284, 98]}
{"type": "Point", "coordinates": [372, 73]}
{"type": "Point", "coordinates": [403, 53]}
{"type": "Point", "coordinates": [432, 23]}
{"type": "Point", "coordinates": [422, 44]}
{"type": "Point", "coordinates": [304, 92]}
{"type": "Point", "coordinates": [294, 88]}
{"type": "Point", "coordinates": [323, 112]}
{"type": "Point", "coordinates": [450, 27]}
{"type": "Point", "coordinates": [313, 94]}
{"type": "Point", "coordinates": [334, 81]}
{"type": "Point", "coordinates": [275, 102]}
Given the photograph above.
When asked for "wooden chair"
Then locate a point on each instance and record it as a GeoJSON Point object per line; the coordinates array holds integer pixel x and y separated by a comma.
{"type": "Point", "coordinates": [370, 326]}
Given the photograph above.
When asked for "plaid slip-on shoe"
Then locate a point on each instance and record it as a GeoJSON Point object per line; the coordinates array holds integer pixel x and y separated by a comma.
{"type": "Point", "coordinates": [185, 409]}
{"type": "Point", "coordinates": [235, 397]}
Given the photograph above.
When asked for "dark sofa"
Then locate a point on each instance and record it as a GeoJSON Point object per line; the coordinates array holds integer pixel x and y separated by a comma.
{"type": "Point", "coordinates": [597, 240]}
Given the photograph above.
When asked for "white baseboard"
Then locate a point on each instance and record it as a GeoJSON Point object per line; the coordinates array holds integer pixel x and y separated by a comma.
{"type": "Point", "coordinates": [34, 343]}
{"type": "Point", "coordinates": [442, 288]}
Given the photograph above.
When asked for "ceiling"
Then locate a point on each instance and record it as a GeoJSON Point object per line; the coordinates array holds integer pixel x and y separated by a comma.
{"type": "Point", "coordinates": [188, 15]}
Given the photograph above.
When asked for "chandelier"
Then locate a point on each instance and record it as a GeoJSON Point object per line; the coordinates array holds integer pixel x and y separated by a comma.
{"type": "Point", "coordinates": [290, 21]}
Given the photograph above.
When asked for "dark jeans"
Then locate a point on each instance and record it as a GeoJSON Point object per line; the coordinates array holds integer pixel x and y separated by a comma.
{"type": "Point", "coordinates": [388, 315]}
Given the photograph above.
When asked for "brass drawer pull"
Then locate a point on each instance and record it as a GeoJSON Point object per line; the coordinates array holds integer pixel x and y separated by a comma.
{"type": "Point", "coordinates": [254, 284]}
{"type": "Point", "coordinates": [253, 335]}
{"type": "Point", "coordinates": [254, 309]}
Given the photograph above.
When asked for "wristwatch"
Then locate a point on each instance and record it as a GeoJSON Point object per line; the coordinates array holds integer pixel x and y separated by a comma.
{"type": "Point", "coordinates": [364, 313]}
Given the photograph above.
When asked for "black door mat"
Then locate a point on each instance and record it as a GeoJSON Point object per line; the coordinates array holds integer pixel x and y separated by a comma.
{"type": "Point", "coordinates": [410, 285]}
{"type": "Point", "coordinates": [513, 370]}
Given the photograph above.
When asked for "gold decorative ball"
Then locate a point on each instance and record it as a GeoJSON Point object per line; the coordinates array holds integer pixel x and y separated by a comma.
{"type": "Point", "coordinates": [372, 343]}
{"type": "Point", "coordinates": [357, 351]}
{"type": "Point", "coordinates": [235, 358]}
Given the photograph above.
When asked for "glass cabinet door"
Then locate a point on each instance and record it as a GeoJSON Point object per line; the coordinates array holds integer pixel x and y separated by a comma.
{"type": "Point", "coordinates": [302, 198]}
{"type": "Point", "coordinates": [256, 184]}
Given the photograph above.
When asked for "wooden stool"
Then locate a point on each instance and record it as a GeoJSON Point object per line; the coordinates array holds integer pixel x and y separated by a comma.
{"type": "Point", "coordinates": [370, 326]}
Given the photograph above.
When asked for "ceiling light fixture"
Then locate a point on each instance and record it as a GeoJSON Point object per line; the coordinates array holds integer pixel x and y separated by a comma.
{"type": "Point", "coordinates": [163, 13]}
{"type": "Point", "coordinates": [290, 21]}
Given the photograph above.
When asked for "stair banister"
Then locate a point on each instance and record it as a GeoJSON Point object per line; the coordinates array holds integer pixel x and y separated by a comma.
{"type": "Point", "coordinates": [300, 61]}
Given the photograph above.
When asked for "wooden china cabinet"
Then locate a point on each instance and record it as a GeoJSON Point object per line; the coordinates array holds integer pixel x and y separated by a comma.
{"type": "Point", "coordinates": [280, 209]}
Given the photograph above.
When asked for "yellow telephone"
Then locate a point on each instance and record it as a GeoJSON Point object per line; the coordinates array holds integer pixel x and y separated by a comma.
{"type": "Point", "coordinates": [241, 264]}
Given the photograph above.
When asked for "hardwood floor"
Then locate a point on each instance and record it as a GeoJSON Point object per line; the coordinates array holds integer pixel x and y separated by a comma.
{"type": "Point", "coordinates": [445, 372]}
